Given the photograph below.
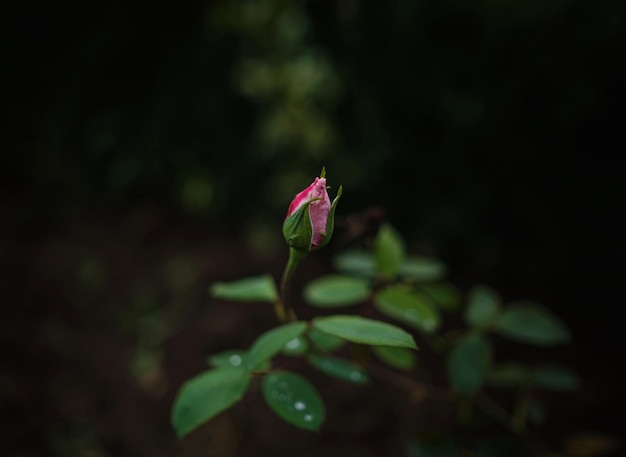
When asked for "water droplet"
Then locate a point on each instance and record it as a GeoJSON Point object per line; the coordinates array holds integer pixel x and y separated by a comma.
{"type": "Point", "coordinates": [299, 406]}
{"type": "Point", "coordinates": [411, 314]}
{"type": "Point", "coordinates": [294, 344]}
{"type": "Point", "coordinates": [308, 417]}
{"type": "Point", "coordinates": [235, 360]}
{"type": "Point", "coordinates": [355, 376]}
{"type": "Point", "coordinates": [428, 324]}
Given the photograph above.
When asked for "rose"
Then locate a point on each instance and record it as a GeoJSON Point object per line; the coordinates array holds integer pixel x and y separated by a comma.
{"type": "Point", "coordinates": [310, 218]}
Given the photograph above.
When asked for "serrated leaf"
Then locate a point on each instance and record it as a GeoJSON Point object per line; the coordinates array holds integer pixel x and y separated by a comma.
{"type": "Point", "coordinates": [334, 291]}
{"type": "Point", "coordinates": [205, 396]}
{"type": "Point", "coordinates": [469, 363]}
{"type": "Point", "coordinates": [400, 358]}
{"type": "Point", "coordinates": [409, 307]}
{"type": "Point", "coordinates": [389, 251]}
{"type": "Point", "coordinates": [257, 288]}
{"type": "Point", "coordinates": [420, 268]}
{"type": "Point", "coordinates": [360, 263]}
{"type": "Point", "coordinates": [296, 346]}
{"type": "Point", "coordinates": [294, 399]}
{"type": "Point", "coordinates": [532, 324]}
{"type": "Point", "coordinates": [271, 342]}
{"type": "Point", "coordinates": [339, 368]}
{"type": "Point", "coordinates": [483, 306]}
{"type": "Point", "coordinates": [365, 331]}
{"type": "Point", "coordinates": [555, 378]}
{"type": "Point", "coordinates": [323, 341]}
{"type": "Point", "coordinates": [443, 294]}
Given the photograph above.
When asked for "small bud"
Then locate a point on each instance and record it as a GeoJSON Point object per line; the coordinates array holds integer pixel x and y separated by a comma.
{"type": "Point", "coordinates": [310, 218]}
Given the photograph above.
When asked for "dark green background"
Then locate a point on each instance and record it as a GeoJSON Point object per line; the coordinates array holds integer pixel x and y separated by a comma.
{"type": "Point", "coordinates": [491, 133]}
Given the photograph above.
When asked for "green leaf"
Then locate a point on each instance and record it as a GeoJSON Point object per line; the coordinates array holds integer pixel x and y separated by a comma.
{"type": "Point", "coordinates": [205, 396]}
{"type": "Point", "coordinates": [419, 268]}
{"type": "Point", "coordinates": [233, 358]}
{"type": "Point", "coordinates": [365, 331]}
{"type": "Point", "coordinates": [296, 346]}
{"type": "Point", "coordinates": [532, 324]}
{"type": "Point", "coordinates": [400, 358]}
{"type": "Point", "coordinates": [258, 288]}
{"type": "Point", "coordinates": [339, 369]}
{"type": "Point", "coordinates": [333, 291]}
{"type": "Point", "coordinates": [469, 363]}
{"type": "Point", "coordinates": [389, 251]}
{"type": "Point", "coordinates": [323, 341]}
{"type": "Point", "coordinates": [409, 307]}
{"type": "Point", "coordinates": [294, 399]}
{"type": "Point", "coordinates": [360, 263]}
{"type": "Point", "coordinates": [483, 306]}
{"type": "Point", "coordinates": [509, 375]}
{"type": "Point", "coordinates": [555, 378]}
{"type": "Point", "coordinates": [298, 229]}
{"type": "Point", "coordinates": [443, 294]}
{"type": "Point", "coordinates": [271, 342]}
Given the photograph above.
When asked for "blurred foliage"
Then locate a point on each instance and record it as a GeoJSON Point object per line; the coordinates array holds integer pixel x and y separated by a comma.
{"type": "Point", "coordinates": [198, 106]}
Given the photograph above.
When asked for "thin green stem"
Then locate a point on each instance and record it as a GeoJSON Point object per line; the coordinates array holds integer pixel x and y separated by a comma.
{"type": "Point", "coordinates": [287, 312]}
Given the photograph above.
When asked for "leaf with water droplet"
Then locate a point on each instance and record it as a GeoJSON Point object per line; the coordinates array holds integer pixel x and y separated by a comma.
{"type": "Point", "coordinates": [271, 342]}
{"type": "Point", "coordinates": [296, 346]}
{"type": "Point", "coordinates": [294, 399]}
{"type": "Point", "coordinates": [409, 307]}
{"type": "Point", "coordinates": [206, 395]}
{"type": "Point", "coordinates": [365, 331]}
{"type": "Point", "coordinates": [339, 368]}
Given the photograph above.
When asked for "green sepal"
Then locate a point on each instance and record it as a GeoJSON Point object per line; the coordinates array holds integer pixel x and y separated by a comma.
{"type": "Point", "coordinates": [330, 222]}
{"type": "Point", "coordinates": [298, 228]}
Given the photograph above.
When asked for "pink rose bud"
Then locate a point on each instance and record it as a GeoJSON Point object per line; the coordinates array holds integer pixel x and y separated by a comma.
{"type": "Point", "coordinates": [310, 219]}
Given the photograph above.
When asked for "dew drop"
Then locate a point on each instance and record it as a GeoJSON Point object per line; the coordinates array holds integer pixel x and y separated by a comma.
{"type": "Point", "coordinates": [355, 376]}
{"type": "Point", "coordinates": [294, 343]}
{"type": "Point", "coordinates": [235, 360]}
{"type": "Point", "coordinates": [308, 417]}
{"type": "Point", "coordinates": [299, 406]}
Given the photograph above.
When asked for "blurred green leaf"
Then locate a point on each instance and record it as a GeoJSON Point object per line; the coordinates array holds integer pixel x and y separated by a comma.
{"type": "Point", "coordinates": [339, 368]}
{"type": "Point", "coordinates": [483, 306]}
{"type": "Point", "coordinates": [409, 307]}
{"type": "Point", "coordinates": [532, 324]}
{"type": "Point", "coordinates": [206, 395]}
{"type": "Point", "coordinates": [271, 342]}
{"type": "Point", "coordinates": [389, 251]}
{"type": "Point", "coordinates": [294, 399]}
{"type": "Point", "coordinates": [443, 294]}
{"type": "Point", "coordinates": [536, 412]}
{"type": "Point", "coordinates": [360, 263]}
{"type": "Point", "coordinates": [232, 358]}
{"type": "Point", "coordinates": [469, 363]}
{"type": "Point", "coordinates": [400, 358]}
{"type": "Point", "coordinates": [335, 291]}
{"type": "Point", "coordinates": [323, 341]}
{"type": "Point", "coordinates": [509, 375]}
{"type": "Point", "coordinates": [257, 288]}
{"type": "Point", "coordinates": [420, 268]}
{"type": "Point", "coordinates": [296, 346]}
{"type": "Point", "coordinates": [365, 331]}
{"type": "Point", "coordinates": [555, 378]}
